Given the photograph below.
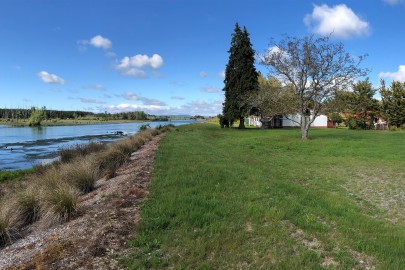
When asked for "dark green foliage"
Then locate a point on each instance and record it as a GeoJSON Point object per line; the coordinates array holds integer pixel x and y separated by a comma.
{"type": "Point", "coordinates": [10, 175]}
{"type": "Point", "coordinates": [354, 123]}
{"type": "Point", "coordinates": [241, 78]}
{"type": "Point", "coordinates": [223, 122]}
{"type": "Point", "coordinates": [362, 104]}
{"type": "Point", "coordinates": [24, 114]}
{"type": "Point", "coordinates": [37, 116]}
{"type": "Point", "coordinates": [144, 127]}
{"type": "Point", "coordinates": [394, 103]}
{"type": "Point", "coordinates": [336, 119]}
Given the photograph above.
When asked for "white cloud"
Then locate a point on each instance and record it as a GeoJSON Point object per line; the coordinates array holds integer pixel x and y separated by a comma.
{"type": "Point", "coordinates": [153, 109]}
{"type": "Point", "coordinates": [145, 101]}
{"type": "Point", "coordinates": [100, 42]}
{"type": "Point", "coordinates": [339, 20]}
{"type": "Point", "coordinates": [133, 66]}
{"type": "Point", "coordinates": [92, 101]}
{"type": "Point", "coordinates": [129, 96]}
{"type": "Point", "coordinates": [50, 78]}
{"type": "Point", "coordinates": [396, 76]}
{"type": "Point", "coordinates": [210, 90]}
{"type": "Point", "coordinates": [197, 107]}
{"type": "Point", "coordinates": [203, 74]}
{"type": "Point", "coordinates": [98, 87]}
{"type": "Point", "coordinates": [177, 97]}
{"type": "Point", "coordinates": [134, 72]}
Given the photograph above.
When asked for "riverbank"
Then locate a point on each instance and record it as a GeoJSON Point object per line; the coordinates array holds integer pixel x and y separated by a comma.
{"type": "Point", "coordinates": [70, 122]}
{"type": "Point", "coordinates": [98, 236]}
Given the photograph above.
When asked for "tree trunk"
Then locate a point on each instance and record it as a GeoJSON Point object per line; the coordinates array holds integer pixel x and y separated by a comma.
{"type": "Point", "coordinates": [241, 122]}
{"type": "Point", "coordinates": [304, 127]}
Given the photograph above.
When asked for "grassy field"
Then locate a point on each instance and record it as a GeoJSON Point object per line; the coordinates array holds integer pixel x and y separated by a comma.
{"type": "Point", "coordinates": [264, 199]}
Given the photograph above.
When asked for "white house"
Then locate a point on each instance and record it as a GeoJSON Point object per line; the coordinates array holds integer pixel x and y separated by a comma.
{"type": "Point", "coordinates": [289, 121]}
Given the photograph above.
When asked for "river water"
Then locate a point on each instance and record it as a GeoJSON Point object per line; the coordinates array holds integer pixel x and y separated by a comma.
{"type": "Point", "coordinates": [23, 147]}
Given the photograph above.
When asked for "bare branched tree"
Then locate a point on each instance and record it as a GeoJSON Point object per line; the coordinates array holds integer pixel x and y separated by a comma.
{"type": "Point", "coordinates": [316, 68]}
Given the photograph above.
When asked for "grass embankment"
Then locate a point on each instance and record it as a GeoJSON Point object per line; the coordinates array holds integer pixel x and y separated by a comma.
{"type": "Point", "coordinates": [50, 194]}
{"type": "Point", "coordinates": [264, 199]}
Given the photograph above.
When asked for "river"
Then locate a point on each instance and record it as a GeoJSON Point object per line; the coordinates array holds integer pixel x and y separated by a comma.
{"type": "Point", "coordinates": [24, 147]}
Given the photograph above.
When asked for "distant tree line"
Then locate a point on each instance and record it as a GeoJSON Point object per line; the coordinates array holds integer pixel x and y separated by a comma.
{"type": "Point", "coordinates": [25, 114]}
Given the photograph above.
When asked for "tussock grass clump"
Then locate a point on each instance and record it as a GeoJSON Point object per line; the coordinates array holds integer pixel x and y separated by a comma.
{"type": "Point", "coordinates": [125, 146]}
{"type": "Point", "coordinates": [9, 222]}
{"type": "Point", "coordinates": [147, 135]}
{"type": "Point", "coordinates": [165, 128]}
{"type": "Point", "coordinates": [109, 161]}
{"type": "Point", "coordinates": [79, 150]}
{"type": "Point", "coordinates": [59, 199]}
{"type": "Point", "coordinates": [81, 173]}
{"type": "Point", "coordinates": [28, 205]}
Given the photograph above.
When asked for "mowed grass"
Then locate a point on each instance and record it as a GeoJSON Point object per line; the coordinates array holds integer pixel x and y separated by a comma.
{"type": "Point", "coordinates": [265, 199]}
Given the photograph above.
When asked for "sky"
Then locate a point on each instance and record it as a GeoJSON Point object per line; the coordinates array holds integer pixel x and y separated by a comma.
{"type": "Point", "coordinates": [167, 57]}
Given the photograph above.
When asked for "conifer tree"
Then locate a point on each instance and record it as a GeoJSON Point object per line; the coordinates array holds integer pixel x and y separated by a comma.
{"type": "Point", "coordinates": [394, 102]}
{"type": "Point", "coordinates": [241, 78]}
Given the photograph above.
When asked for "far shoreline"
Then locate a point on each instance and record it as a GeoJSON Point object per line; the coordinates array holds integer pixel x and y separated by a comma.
{"type": "Point", "coordinates": [74, 122]}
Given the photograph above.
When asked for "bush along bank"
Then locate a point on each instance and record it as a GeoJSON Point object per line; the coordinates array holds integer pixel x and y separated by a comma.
{"type": "Point", "coordinates": [51, 195]}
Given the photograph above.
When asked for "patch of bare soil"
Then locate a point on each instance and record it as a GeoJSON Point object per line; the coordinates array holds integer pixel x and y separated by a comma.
{"type": "Point", "coordinates": [97, 236]}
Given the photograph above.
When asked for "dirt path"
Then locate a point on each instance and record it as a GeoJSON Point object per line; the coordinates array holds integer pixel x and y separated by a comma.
{"type": "Point", "coordinates": [98, 235]}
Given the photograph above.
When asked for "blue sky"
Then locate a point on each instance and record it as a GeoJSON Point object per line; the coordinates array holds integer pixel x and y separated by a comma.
{"type": "Point", "coordinates": [168, 56]}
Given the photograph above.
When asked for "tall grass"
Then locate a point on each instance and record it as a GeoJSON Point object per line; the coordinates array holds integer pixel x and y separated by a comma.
{"type": "Point", "coordinates": [69, 153]}
{"type": "Point", "coordinates": [28, 204]}
{"type": "Point", "coordinates": [82, 173]}
{"type": "Point", "coordinates": [265, 199]}
{"type": "Point", "coordinates": [59, 199]}
{"type": "Point", "coordinates": [9, 223]}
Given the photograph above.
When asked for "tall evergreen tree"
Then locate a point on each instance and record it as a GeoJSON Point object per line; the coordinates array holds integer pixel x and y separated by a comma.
{"type": "Point", "coordinates": [394, 102]}
{"type": "Point", "coordinates": [241, 78]}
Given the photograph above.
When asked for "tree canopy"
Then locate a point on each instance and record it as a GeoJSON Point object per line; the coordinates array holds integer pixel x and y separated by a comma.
{"type": "Point", "coordinates": [316, 68]}
{"type": "Point", "coordinates": [240, 78]}
{"type": "Point", "coordinates": [393, 102]}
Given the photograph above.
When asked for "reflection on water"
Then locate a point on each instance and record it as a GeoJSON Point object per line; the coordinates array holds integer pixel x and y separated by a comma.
{"type": "Point", "coordinates": [23, 147]}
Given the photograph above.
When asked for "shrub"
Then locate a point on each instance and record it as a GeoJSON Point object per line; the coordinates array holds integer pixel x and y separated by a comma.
{"type": "Point", "coordinates": [403, 127]}
{"type": "Point", "coordinates": [8, 223]}
{"type": "Point", "coordinates": [82, 174]}
{"type": "Point", "coordinates": [144, 127]}
{"type": "Point", "coordinates": [59, 199]}
{"type": "Point", "coordinates": [394, 128]}
{"type": "Point", "coordinates": [353, 123]}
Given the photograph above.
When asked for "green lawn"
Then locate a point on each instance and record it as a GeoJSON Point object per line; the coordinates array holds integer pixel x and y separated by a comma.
{"type": "Point", "coordinates": [265, 199]}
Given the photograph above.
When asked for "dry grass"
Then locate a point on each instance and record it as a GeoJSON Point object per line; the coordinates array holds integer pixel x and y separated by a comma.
{"type": "Point", "coordinates": [383, 188]}
{"type": "Point", "coordinates": [109, 161]}
{"type": "Point", "coordinates": [81, 173]}
{"type": "Point", "coordinates": [28, 204]}
{"type": "Point", "coordinates": [79, 150]}
{"type": "Point", "coordinates": [59, 199]}
{"type": "Point", "coordinates": [9, 222]}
